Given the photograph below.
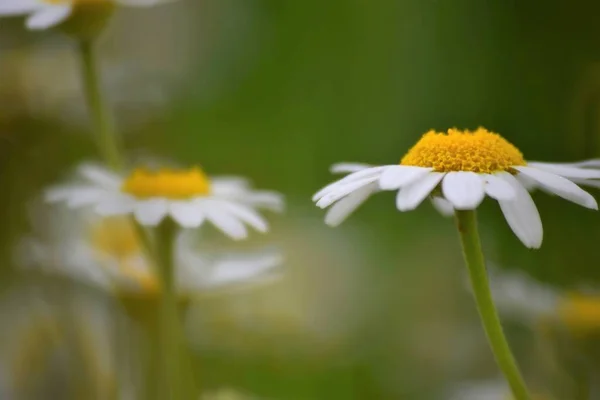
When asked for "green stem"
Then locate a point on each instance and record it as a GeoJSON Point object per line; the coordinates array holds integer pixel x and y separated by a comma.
{"type": "Point", "coordinates": [467, 226]}
{"type": "Point", "coordinates": [169, 324]}
{"type": "Point", "coordinates": [101, 117]}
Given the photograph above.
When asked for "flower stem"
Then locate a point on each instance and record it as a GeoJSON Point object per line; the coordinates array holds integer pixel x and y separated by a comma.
{"type": "Point", "coordinates": [101, 117]}
{"type": "Point", "coordinates": [169, 323]}
{"type": "Point", "coordinates": [466, 222]}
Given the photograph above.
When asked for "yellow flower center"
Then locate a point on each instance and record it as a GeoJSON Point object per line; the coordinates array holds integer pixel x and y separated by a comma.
{"type": "Point", "coordinates": [480, 151]}
{"type": "Point", "coordinates": [580, 312]}
{"type": "Point", "coordinates": [115, 239]}
{"type": "Point", "coordinates": [171, 184]}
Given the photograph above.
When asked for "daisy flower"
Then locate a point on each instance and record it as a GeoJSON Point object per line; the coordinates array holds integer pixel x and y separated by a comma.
{"type": "Point", "coordinates": [457, 170]}
{"type": "Point", "coordinates": [520, 297]}
{"type": "Point", "coordinates": [106, 252]}
{"type": "Point", "coordinates": [44, 14]}
{"type": "Point", "coordinates": [189, 197]}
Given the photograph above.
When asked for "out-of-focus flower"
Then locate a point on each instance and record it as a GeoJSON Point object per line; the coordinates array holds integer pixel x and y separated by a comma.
{"type": "Point", "coordinates": [458, 169]}
{"type": "Point", "coordinates": [62, 342]}
{"type": "Point", "coordinates": [188, 196]}
{"type": "Point", "coordinates": [520, 297]}
{"type": "Point", "coordinates": [43, 14]}
{"type": "Point", "coordinates": [107, 252]}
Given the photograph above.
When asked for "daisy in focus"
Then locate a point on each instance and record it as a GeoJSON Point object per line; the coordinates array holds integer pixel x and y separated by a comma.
{"type": "Point", "coordinates": [106, 252]}
{"type": "Point", "coordinates": [457, 170]}
{"type": "Point", "coordinates": [44, 14]}
{"type": "Point", "coordinates": [189, 197]}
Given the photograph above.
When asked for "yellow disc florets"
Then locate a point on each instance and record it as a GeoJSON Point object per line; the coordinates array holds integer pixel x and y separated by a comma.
{"type": "Point", "coordinates": [171, 184]}
{"type": "Point", "coordinates": [479, 151]}
{"type": "Point", "coordinates": [116, 244]}
{"type": "Point", "coordinates": [580, 312]}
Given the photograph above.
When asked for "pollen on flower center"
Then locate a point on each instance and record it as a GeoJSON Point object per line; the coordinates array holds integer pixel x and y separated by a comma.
{"type": "Point", "coordinates": [479, 151]}
{"type": "Point", "coordinates": [171, 184]}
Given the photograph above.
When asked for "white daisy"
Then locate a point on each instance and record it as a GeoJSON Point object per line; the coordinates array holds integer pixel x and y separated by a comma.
{"type": "Point", "coordinates": [520, 297]}
{"type": "Point", "coordinates": [458, 169]}
{"type": "Point", "coordinates": [526, 300]}
{"type": "Point", "coordinates": [106, 252]}
{"type": "Point", "coordinates": [43, 14]}
{"type": "Point", "coordinates": [187, 196]}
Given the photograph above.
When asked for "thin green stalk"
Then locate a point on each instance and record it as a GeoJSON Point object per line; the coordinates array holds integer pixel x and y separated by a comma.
{"type": "Point", "coordinates": [101, 117]}
{"type": "Point", "coordinates": [169, 324]}
{"type": "Point", "coordinates": [466, 222]}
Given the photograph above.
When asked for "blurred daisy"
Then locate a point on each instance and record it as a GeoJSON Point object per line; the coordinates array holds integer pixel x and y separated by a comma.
{"type": "Point", "coordinates": [43, 14]}
{"type": "Point", "coordinates": [106, 252]}
{"type": "Point", "coordinates": [458, 169]}
{"type": "Point", "coordinates": [522, 298]}
{"type": "Point", "coordinates": [189, 197]}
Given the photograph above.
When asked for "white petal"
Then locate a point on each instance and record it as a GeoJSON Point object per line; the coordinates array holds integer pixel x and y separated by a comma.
{"type": "Point", "coordinates": [151, 212]}
{"type": "Point", "coordinates": [522, 214]}
{"type": "Point", "coordinates": [238, 269]}
{"type": "Point", "coordinates": [116, 205]}
{"type": "Point", "coordinates": [560, 186]}
{"type": "Point", "coordinates": [340, 210]}
{"type": "Point", "coordinates": [229, 186]}
{"type": "Point", "coordinates": [341, 168]}
{"type": "Point", "coordinates": [273, 201]}
{"type": "Point", "coordinates": [566, 171]}
{"type": "Point", "coordinates": [247, 215]}
{"type": "Point", "coordinates": [63, 192]}
{"type": "Point", "coordinates": [443, 206]}
{"type": "Point", "coordinates": [412, 195]}
{"type": "Point", "coordinates": [48, 17]}
{"type": "Point", "coordinates": [587, 182]}
{"type": "Point", "coordinates": [100, 176]}
{"type": "Point", "coordinates": [226, 222]}
{"type": "Point", "coordinates": [497, 188]}
{"type": "Point", "coordinates": [463, 189]}
{"type": "Point", "coordinates": [85, 197]}
{"type": "Point", "coordinates": [343, 191]}
{"type": "Point", "coordinates": [18, 7]}
{"type": "Point", "coordinates": [396, 176]}
{"type": "Point", "coordinates": [187, 213]}
{"type": "Point", "coordinates": [593, 163]}
{"type": "Point", "coordinates": [355, 176]}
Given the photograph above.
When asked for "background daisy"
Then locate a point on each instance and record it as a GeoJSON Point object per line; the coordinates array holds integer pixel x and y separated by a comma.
{"type": "Point", "coordinates": [187, 196]}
